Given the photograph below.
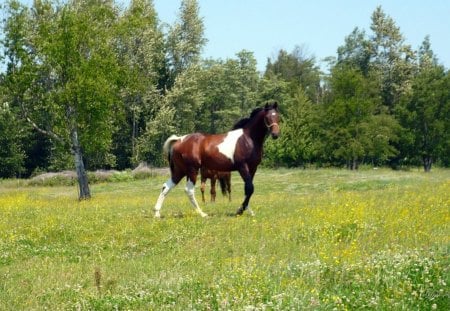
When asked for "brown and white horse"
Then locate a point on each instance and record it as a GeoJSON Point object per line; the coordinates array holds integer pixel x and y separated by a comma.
{"type": "Point", "coordinates": [224, 179]}
{"type": "Point", "coordinates": [237, 150]}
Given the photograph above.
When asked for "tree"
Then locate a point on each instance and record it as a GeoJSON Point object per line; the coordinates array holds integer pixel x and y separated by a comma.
{"type": "Point", "coordinates": [393, 61]}
{"type": "Point", "coordinates": [185, 40]}
{"type": "Point", "coordinates": [355, 125]}
{"type": "Point", "coordinates": [62, 73]}
{"type": "Point", "coordinates": [157, 129]}
{"type": "Point", "coordinates": [293, 79]}
{"type": "Point", "coordinates": [357, 51]}
{"type": "Point", "coordinates": [427, 110]}
{"type": "Point", "coordinates": [183, 47]}
{"type": "Point", "coordinates": [139, 44]}
{"type": "Point", "coordinates": [297, 144]}
{"type": "Point", "coordinates": [12, 155]}
{"type": "Point", "coordinates": [388, 62]}
{"type": "Point", "coordinates": [247, 84]}
{"type": "Point", "coordinates": [230, 91]}
{"type": "Point", "coordinates": [298, 69]}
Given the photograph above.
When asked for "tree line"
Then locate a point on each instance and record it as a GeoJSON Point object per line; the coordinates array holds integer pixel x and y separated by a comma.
{"type": "Point", "coordinates": [90, 84]}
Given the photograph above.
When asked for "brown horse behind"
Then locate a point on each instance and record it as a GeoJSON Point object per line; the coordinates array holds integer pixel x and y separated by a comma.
{"type": "Point", "coordinates": [224, 179]}
{"type": "Point", "coordinates": [237, 150]}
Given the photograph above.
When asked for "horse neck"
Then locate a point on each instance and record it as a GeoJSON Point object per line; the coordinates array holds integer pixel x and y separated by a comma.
{"type": "Point", "coordinates": [257, 130]}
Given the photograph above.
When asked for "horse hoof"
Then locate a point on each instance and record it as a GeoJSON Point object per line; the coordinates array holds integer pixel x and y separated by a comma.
{"type": "Point", "coordinates": [239, 212]}
{"type": "Point", "coordinates": [204, 215]}
{"type": "Point", "coordinates": [157, 215]}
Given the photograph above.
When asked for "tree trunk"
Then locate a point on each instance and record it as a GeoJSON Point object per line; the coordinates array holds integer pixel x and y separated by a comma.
{"type": "Point", "coordinates": [355, 164]}
{"type": "Point", "coordinates": [427, 162]}
{"type": "Point", "coordinates": [133, 136]}
{"type": "Point", "coordinates": [83, 184]}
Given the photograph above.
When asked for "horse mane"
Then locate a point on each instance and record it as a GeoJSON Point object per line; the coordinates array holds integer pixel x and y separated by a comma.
{"type": "Point", "coordinates": [243, 122]}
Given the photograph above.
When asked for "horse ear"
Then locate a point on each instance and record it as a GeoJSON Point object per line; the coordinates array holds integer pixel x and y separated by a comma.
{"type": "Point", "coordinates": [272, 105]}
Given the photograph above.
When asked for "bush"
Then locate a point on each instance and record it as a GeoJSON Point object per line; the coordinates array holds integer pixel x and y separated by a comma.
{"type": "Point", "coordinates": [69, 178]}
{"type": "Point", "coordinates": [65, 178]}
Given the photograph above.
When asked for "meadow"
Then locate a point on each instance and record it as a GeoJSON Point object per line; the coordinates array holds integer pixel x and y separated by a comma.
{"type": "Point", "coordinates": [324, 239]}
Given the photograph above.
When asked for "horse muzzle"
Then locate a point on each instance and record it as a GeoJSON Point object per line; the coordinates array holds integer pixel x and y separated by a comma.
{"type": "Point", "coordinates": [274, 130]}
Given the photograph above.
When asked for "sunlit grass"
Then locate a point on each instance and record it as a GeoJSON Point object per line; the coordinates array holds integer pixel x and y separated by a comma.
{"type": "Point", "coordinates": [321, 239]}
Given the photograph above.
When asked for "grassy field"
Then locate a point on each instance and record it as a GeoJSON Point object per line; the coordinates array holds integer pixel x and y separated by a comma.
{"type": "Point", "coordinates": [320, 240]}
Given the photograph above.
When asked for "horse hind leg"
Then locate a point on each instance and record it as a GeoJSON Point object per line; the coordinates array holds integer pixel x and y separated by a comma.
{"type": "Point", "coordinates": [168, 185]}
{"type": "Point", "coordinates": [190, 193]}
{"type": "Point", "coordinates": [203, 178]}
{"type": "Point", "coordinates": [213, 189]}
{"type": "Point", "coordinates": [202, 189]}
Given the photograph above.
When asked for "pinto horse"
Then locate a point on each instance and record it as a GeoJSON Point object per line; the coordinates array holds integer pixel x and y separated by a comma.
{"type": "Point", "coordinates": [237, 150]}
{"type": "Point", "coordinates": [224, 179]}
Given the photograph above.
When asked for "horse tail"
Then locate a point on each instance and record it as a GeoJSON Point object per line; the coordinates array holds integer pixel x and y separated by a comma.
{"type": "Point", "coordinates": [167, 148]}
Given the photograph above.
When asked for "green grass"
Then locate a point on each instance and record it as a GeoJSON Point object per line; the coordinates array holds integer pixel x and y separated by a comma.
{"type": "Point", "coordinates": [320, 240]}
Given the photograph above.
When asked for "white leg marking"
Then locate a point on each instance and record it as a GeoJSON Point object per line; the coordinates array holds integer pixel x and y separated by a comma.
{"type": "Point", "coordinates": [250, 211]}
{"type": "Point", "coordinates": [168, 185]}
{"type": "Point", "coordinates": [228, 146]}
{"type": "Point", "coordinates": [190, 193]}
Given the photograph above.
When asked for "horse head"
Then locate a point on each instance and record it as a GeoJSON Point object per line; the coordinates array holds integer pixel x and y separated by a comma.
{"type": "Point", "coordinates": [272, 119]}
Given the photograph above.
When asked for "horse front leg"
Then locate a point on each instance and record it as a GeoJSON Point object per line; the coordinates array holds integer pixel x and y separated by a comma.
{"type": "Point", "coordinates": [228, 186]}
{"type": "Point", "coordinates": [249, 189]}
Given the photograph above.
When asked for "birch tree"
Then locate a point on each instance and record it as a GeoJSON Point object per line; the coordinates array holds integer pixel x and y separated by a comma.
{"type": "Point", "coordinates": [62, 73]}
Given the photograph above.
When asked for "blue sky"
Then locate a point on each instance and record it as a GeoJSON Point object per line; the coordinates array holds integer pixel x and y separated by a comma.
{"type": "Point", "coordinates": [319, 27]}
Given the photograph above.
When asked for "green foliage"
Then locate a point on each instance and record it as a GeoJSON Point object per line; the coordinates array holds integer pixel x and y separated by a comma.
{"type": "Point", "coordinates": [62, 71]}
{"type": "Point", "coordinates": [211, 97]}
{"type": "Point", "coordinates": [354, 124]}
{"type": "Point", "coordinates": [149, 144]}
{"type": "Point", "coordinates": [296, 146]}
{"type": "Point", "coordinates": [185, 40]}
{"type": "Point", "coordinates": [139, 45]}
{"type": "Point", "coordinates": [230, 91]}
{"type": "Point", "coordinates": [87, 93]}
{"type": "Point", "coordinates": [299, 70]}
{"type": "Point", "coordinates": [109, 84]}
{"type": "Point", "coordinates": [392, 59]}
{"type": "Point", "coordinates": [357, 51]}
{"type": "Point", "coordinates": [12, 155]}
{"type": "Point", "coordinates": [428, 114]}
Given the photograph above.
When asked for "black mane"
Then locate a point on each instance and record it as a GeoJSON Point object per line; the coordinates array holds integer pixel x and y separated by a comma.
{"type": "Point", "coordinates": [243, 122]}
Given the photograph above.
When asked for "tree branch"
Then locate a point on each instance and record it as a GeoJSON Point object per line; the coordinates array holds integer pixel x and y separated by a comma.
{"type": "Point", "coordinates": [39, 129]}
